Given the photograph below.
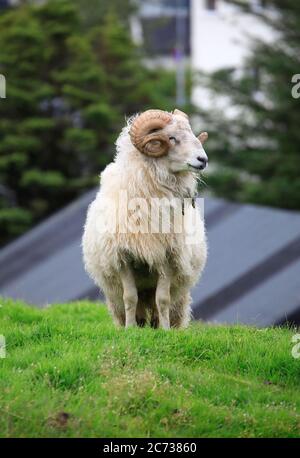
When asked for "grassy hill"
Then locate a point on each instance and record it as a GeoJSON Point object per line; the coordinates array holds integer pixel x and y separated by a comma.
{"type": "Point", "coordinates": [70, 373]}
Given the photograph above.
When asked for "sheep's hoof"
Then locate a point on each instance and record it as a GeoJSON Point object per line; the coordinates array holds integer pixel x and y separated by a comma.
{"type": "Point", "coordinates": [131, 325]}
{"type": "Point", "coordinates": [154, 323]}
{"type": "Point", "coordinates": [141, 322]}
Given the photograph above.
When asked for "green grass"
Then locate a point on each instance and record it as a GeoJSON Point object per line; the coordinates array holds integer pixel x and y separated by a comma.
{"type": "Point", "coordinates": [70, 373]}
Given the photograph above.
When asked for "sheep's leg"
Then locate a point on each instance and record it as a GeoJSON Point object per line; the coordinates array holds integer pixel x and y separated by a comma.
{"type": "Point", "coordinates": [141, 315]}
{"type": "Point", "coordinates": [130, 296]}
{"type": "Point", "coordinates": [154, 322]}
{"type": "Point", "coordinates": [117, 314]}
{"type": "Point", "coordinates": [163, 300]}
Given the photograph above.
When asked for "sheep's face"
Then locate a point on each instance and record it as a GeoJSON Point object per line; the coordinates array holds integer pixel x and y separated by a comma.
{"type": "Point", "coordinates": [186, 151]}
{"type": "Point", "coordinates": [168, 137]}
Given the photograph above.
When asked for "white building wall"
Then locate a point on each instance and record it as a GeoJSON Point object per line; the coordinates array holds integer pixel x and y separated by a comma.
{"type": "Point", "coordinates": [221, 38]}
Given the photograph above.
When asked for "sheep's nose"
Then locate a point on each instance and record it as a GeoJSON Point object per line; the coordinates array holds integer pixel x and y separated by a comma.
{"type": "Point", "coordinates": [203, 162]}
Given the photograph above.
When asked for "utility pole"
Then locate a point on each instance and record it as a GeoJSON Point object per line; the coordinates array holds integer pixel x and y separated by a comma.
{"type": "Point", "coordinates": [179, 55]}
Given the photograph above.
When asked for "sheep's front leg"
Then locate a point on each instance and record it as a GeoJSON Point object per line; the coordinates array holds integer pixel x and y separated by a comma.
{"type": "Point", "coordinates": [130, 296]}
{"type": "Point", "coordinates": [163, 300]}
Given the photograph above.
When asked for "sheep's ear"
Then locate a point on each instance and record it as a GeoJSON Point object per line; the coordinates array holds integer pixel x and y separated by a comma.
{"type": "Point", "coordinates": [181, 113]}
{"type": "Point", "coordinates": [203, 137]}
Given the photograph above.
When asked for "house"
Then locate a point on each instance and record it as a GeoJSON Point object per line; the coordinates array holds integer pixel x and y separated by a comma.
{"type": "Point", "coordinates": [206, 35]}
{"type": "Point", "coordinates": [162, 28]}
{"type": "Point", "coordinates": [157, 24]}
{"type": "Point", "coordinates": [252, 275]}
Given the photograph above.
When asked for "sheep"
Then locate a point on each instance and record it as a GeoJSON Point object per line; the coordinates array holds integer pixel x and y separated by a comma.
{"type": "Point", "coordinates": [146, 275]}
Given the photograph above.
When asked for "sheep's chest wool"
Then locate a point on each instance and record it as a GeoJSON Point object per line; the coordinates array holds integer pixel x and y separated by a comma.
{"type": "Point", "coordinates": [144, 240]}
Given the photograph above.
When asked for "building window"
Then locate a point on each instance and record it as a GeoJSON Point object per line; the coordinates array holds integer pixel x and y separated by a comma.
{"type": "Point", "coordinates": [211, 4]}
{"type": "Point", "coordinates": [259, 5]}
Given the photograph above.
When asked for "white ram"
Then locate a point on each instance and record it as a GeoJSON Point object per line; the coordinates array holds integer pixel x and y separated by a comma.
{"type": "Point", "coordinates": [135, 246]}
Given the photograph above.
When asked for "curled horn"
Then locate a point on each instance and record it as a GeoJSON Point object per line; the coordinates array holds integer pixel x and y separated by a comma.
{"type": "Point", "coordinates": [144, 136]}
{"type": "Point", "coordinates": [203, 137]}
{"type": "Point", "coordinates": [181, 113]}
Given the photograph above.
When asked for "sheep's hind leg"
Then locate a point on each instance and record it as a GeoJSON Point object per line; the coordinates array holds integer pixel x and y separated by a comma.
{"type": "Point", "coordinates": [163, 300]}
{"type": "Point", "coordinates": [130, 296]}
{"type": "Point", "coordinates": [141, 315]}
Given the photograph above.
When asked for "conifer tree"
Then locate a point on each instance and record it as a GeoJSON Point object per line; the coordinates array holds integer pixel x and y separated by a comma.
{"type": "Point", "coordinates": [68, 91]}
{"type": "Point", "coordinates": [258, 152]}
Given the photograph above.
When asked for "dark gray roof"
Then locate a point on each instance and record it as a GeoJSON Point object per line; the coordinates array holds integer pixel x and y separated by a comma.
{"type": "Point", "coordinates": [45, 265]}
{"type": "Point", "coordinates": [252, 275]}
{"type": "Point", "coordinates": [253, 270]}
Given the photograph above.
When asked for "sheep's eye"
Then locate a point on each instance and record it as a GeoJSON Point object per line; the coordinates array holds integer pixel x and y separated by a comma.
{"type": "Point", "coordinates": [173, 138]}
